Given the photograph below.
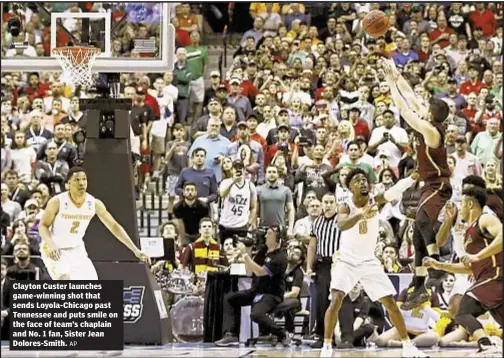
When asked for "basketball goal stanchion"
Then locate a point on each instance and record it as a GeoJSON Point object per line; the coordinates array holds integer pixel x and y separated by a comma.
{"type": "Point", "coordinates": [76, 63]}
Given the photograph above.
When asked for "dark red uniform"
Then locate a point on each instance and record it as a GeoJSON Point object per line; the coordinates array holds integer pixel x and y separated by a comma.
{"type": "Point", "coordinates": [487, 273]}
{"type": "Point", "coordinates": [434, 172]}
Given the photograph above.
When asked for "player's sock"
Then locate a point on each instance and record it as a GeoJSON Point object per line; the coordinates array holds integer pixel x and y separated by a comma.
{"type": "Point", "coordinates": [327, 346]}
{"type": "Point", "coordinates": [419, 282]}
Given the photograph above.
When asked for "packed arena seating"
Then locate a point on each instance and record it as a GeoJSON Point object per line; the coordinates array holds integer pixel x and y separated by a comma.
{"type": "Point", "coordinates": [303, 95]}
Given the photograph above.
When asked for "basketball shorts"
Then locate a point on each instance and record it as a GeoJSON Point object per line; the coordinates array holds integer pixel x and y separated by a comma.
{"type": "Point", "coordinates": [345, 275]}
{"type": "Point", "coordinates": [73, 262]}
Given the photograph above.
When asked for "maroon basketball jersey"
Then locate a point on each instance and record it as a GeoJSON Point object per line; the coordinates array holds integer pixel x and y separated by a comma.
{"type": "Point", "coordinates": [431, 162]}
{"type": "Point", "coordinates": [474, 242]}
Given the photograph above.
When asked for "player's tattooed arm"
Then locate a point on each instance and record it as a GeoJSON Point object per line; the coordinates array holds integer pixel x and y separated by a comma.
{"type": "Point", "coordinates": [118, 231]}
{"type": "Point", "coordinates": [46, 222]}
{"type": "Point", "coordinates": [347, 221]}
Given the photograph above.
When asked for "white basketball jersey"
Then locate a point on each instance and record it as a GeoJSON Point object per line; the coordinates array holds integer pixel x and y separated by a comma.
{"type": "Point", "coordinates": [159, 127]}
{"type": "Point", "coordinates": [235, 211]}
{"type": "Point", "coordinates": [71, 222]}
{"type": "Point", "coordinates": [358, 243]}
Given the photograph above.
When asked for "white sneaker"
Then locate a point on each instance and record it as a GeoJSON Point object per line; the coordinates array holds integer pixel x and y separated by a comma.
{"type": "Point", "coordinates": [409, 350]}
{"type": "Point", "coordinates": [326, 351]}
{"type": "Point", "coordinates": [488, 352]}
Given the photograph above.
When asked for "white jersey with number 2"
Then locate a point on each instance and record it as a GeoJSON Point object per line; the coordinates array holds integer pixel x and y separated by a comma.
{"type": "Point", "coordinates": [71, 222]}
{"type": "Point", "coordinates": [235, 211]}
{"type": "Point", "coordinates": [358, 243]}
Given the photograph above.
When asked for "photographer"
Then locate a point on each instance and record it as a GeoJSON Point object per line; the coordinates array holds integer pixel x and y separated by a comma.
{"type": "Point", "coordinates": [171, 243]}
{"type": "Point", "coordinates": [267, 291]}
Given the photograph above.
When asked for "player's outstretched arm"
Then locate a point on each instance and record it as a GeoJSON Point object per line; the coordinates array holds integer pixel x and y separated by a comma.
{"type": "Point", "coordinates": [411, 99]}
{"type": "Point", "coordinates": [429, 132]}
{"type": "Point", "coordinates": [492, 225]}
{"type": "Point", "coordinates": [397, 189]}
{"type": "Point", "coordinates": [445, 266]}
{"type": "Point", "coordinates": [46, 222]}
{"type": "Point", "coordinates": [118, 231]}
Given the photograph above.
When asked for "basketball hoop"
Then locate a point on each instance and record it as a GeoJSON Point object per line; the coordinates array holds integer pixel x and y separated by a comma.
{"type": "Point", "coordinates": [76, 63]}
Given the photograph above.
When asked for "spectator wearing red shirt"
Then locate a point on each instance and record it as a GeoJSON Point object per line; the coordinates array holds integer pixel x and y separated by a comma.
{"type": "Point", "coordinates": [484, 18]}
{"type": "Point", "coordinates": [360, 126]}
{"type": "Point", "coordinates": [34, 88]}
{"type": "Point", "coordinates": [442, 34]}
{"type": "Point", "coordinates": [470, 111]}
{"type": "Point", "coordinates": [282, 144]}
{"type": "Point", "coordinates": [474, 84]}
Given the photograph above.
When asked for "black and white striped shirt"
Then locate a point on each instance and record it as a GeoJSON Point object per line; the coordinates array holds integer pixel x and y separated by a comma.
{"type": "Point", "coordinates": [326, 231]}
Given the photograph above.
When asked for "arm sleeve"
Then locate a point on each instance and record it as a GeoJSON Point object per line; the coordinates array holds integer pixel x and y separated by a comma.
{"type": "Point", "coordinates": [298, 278]}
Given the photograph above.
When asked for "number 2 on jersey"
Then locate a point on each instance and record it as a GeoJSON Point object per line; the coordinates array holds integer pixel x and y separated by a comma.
{"type": "Point", "coordinates": [363, 227]}
{"type": "Point", "coordinates": [75, 227]}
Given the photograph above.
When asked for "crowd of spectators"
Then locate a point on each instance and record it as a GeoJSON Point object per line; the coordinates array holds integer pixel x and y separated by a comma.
{"type": "Point", "coordinates": [299, 107]}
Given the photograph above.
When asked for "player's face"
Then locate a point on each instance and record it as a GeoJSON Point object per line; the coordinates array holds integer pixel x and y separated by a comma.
{"type": "Point", "coordinates": [359, 185]}
{"type": "Point", "coordinates": [78, 183]}
{"type": "Point", "coordinates": [466, 206]}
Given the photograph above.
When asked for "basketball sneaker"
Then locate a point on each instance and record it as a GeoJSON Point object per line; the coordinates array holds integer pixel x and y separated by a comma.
{"type": "Point", "coordinates": [326, 351]}
{"type": "Point", "coordinates": [415, 299]}
{"type": "Point", "coordinates": [409, 350]}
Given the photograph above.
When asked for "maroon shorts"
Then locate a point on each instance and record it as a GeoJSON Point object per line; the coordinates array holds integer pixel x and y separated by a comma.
{"type": "Point", "coordinates": [433, 198]}
{"type": "Point", "coordinates": [489, 294]}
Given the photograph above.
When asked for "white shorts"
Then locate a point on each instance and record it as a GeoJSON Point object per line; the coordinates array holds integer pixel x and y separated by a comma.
{"type": "Point", "coordinates": [461, 285]}
{"type": "Point", "coordinates": [73, 262]}
{"type": "Point", "coordinates": [344, 276]}
{"type": "Point", "coordinates": [197, 90]}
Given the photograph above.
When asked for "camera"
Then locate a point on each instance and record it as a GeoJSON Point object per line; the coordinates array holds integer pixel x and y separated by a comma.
{"type": "Point", "coordinates": [14, 26]}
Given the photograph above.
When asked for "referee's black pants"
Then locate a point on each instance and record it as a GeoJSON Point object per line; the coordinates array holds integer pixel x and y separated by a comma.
{"type": "Point", "coordinates": [323, 286]}
{"type": "Point", "coordinates": [262, 306]}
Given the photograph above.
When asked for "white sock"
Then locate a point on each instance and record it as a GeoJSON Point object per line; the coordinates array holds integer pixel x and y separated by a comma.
{"type": "Point", "coordinates": [327, 346]}
{"type": "Point", "coordinates": [406, 342]}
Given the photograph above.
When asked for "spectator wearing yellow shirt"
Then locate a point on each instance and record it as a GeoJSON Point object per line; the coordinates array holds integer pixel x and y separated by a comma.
{"type": "Point", "coordinates": [257, 8]}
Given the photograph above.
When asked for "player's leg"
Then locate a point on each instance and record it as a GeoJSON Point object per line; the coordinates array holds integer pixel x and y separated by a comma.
{"type": "Point", "coordinates": [343, 278]}
{"type": "Point", "coordinates": [431, 203]}
{"type": "Point", "coordinates": [378, 287]}
{"type": "Point", "coordinates": [470, 309]}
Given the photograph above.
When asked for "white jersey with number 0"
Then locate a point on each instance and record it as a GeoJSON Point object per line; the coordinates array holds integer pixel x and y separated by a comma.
{"type": "Point", "coordinates": [358, 243]}
{"type": "Point", "coordinates": [235, 211]}
{"type": "Point", "coordinates": [71, 222]}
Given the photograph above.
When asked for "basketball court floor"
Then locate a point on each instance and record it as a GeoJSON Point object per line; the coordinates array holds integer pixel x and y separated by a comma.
{"type": "Point", "coordinates": [209, 350]}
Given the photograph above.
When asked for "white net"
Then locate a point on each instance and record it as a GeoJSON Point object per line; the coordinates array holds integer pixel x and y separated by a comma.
{"type": "Point", "coordinates": [76, 63]}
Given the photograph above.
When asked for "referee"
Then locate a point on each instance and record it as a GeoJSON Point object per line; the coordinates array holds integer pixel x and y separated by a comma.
{"type": "Point", "coordinates": [324, 242]}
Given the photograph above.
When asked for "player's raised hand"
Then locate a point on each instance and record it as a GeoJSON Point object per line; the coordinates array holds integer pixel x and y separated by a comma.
{"type": "Point", "coordinates": [450, 211]}
{"type": "Point", "coordinates": [391, 72]}
{"type": "Point", "coordinates": [143, 257]}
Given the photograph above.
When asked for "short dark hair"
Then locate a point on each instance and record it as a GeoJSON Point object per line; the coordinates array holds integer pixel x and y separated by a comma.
{"type": "Point", "coordinates": [392, 246]}
{"type": "Point", "coordinates": [169, 222]}
{"type": "Point", "coordinates": [353, 142]}
{"type": "Point", "coordinates": [12, 172]}
{"type": "Point", "coordinates": [354, 172]}
{"type": "Point", "coordinates": [475, 180]}
{"type": "Point", "coordinates": [478, 194]}
{"type": "Point", "coordinates": [439, 110]}
{"type": "Point", "coordinates": [188, 183]}
{"type": "Point", "coordinates": [74, 170]}
{"type": "Point", "coordinates": [206, 219]}
{"type": "Point", "coordinates": [199, 149]}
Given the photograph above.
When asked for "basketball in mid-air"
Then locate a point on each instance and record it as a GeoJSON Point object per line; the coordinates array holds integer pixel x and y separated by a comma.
{"type": "Point", "coordinates": [375, 23]}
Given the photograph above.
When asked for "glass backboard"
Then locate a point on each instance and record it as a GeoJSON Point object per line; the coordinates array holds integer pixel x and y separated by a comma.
{"type": "Point", "coordinates": [131, 36]}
